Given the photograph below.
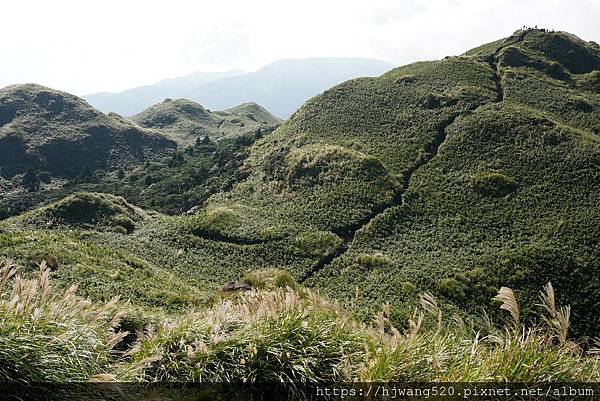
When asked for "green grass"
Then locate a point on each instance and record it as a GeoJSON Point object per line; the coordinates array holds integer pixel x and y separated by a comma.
{"type": "Point", "coordinates": [281, 333]}
{"type": "Point", "coordinates": [52, 336]}
{"type": "Point", "coordinates": [456, 177]}
{"type": "Point", "coordinates": [448, 229]}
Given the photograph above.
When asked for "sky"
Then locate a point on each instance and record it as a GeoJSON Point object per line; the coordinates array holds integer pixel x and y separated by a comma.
{"type": "Point", "coordinates": [91, 46]}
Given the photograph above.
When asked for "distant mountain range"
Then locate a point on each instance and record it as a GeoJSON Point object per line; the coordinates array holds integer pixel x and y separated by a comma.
{"type": "Point", "coordinates": [133, 101]}
{"type": "Point", "coordinates": [281, 87]}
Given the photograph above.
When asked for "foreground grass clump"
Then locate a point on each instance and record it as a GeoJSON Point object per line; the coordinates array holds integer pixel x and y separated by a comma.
{"type": "Point", "coordinates": [279, 335]}
{"type": "Point", "coordinates": [294, 335]}
{"type": "Point", "coordinates": [51, 336]}
{"type": "Point", "coordinates": [269, 279]}
{"type": "Point", "coordinates": [432, 349]}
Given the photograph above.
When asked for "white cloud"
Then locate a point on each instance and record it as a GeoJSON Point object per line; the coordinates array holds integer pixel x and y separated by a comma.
{"type": "Point", "coordinates": [84, 47]}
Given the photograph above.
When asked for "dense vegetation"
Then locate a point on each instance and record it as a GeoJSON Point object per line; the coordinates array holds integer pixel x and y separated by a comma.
{"type": "Point", "coordinates": [278, 331]}
{"type": "Point", "coordinates": [47, 131]}
{"type": "Point", "coordinates": [498, 164]}
{"type": "Point", "coordinates": [170, 184]}
{"type": "Point", "coordinates": [453, 178]}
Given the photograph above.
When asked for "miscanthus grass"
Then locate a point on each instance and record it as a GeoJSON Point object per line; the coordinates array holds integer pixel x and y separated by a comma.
{"type": "Point", "coordinates": [455, 350]}
{"type": "Point", "coordinates": [48, 335]}
{"type": "Point", "coordinates": [279, 332]}
{"type": "Point", "coordinates": [279, 335]}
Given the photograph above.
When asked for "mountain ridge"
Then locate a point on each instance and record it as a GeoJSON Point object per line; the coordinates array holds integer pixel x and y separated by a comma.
{"type": "Point", "coordinates": [52, 143]}
{"type": "Point", "coordinates": [135, 100]}
{"type": "Point", "coordinates": [271, 86]}
{"type": "Point", "coordinates": [42, 123]}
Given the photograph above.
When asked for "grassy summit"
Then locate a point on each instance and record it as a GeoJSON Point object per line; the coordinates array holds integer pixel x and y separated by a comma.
{"type": "Point", "coordinates": [55, 132]}
{"type": "Point", "coordinates": [187, 121]}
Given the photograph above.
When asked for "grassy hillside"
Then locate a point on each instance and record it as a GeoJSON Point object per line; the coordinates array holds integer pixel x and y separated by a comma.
{"type": "Point", "coordinates": [186, 121]}
{"type": "Point", "coordinates": [456, 177]}
{"type": "Point", "coordinates": [54, 132]}
{"type": "Point", "coordinates": [111, 248]}
{"type": "Point", "coordinates": [53, 144]}
{"type": "Point", "coordinates": [510, 199]}
{"type": "Point", "coordinates": [173, 185]}
{"type": "Point", "coordinates": [429, 225]}
{"type": "Point", "coordinates": [50, 139]}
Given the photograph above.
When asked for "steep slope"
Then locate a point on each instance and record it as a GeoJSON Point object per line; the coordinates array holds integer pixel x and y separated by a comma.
{"type": "Point", "coordinates": [346, 155]}
{"type": "Point", "coordinates": [186, 121]}
{"type": "Point", "coordinates": [455, 176]}
{"type": "Point", "coordinates": [42, 129]}
{"type": "Point", "coordinates": [281, 87]}
{"type": "Point", "coordinates": [510, 199]}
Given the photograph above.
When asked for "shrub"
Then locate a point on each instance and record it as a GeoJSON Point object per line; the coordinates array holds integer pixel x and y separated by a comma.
{"type": "Point", "coordinates": [451, 288]}
{"type": "Point", "coordinates": [284, 336]}
{"type": "Point", "coordinates": [431, 102]}
{"type": "Point", "coordinates": [373, 166]}
{"type": "Point", "coordinates": [277, 334]}
{"type": "Point", "coordinates": [95, 209]}
{"type": "Point", "coordinates": [270, 279]}
{"type": "Point", "coordinates": [318, 165]}
{"type": "Point", "coordinates": [580, 103]}
{"type": "Point", "coordinates": [317, 243]}
{"type": "Point", "coordinates": [216, 223]}
{"type": "Point", "coordinates": [120, 230]}
{"type": "Point", "coordinates": [234, 223]}
{"type": "Point", "coordinates": [590, 81]}
{"type": "Point", "coordinates": [493, 184]}
{"type": "Point", "coordinates": [51, 262]}
{"type": "Point", "coordinates": [125, 222]}
{"type": "Point", "coordinates": [372, 261]}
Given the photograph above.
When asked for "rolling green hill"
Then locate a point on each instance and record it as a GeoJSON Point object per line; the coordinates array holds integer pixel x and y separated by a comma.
{"type": "Point", "coordinates": [60, 133]}
{"type": "Point", "coordinates": [186, 121]}
{"type": "Point", "coordinates": [53, 144]}
{"type": "Point", "coordinates": [457, 176]}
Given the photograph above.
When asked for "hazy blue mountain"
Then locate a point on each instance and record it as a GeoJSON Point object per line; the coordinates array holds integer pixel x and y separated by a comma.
{"type": "Point", "coordinates": [281, 87]}
{"type": "Point", "coordinates": [134, 100]}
